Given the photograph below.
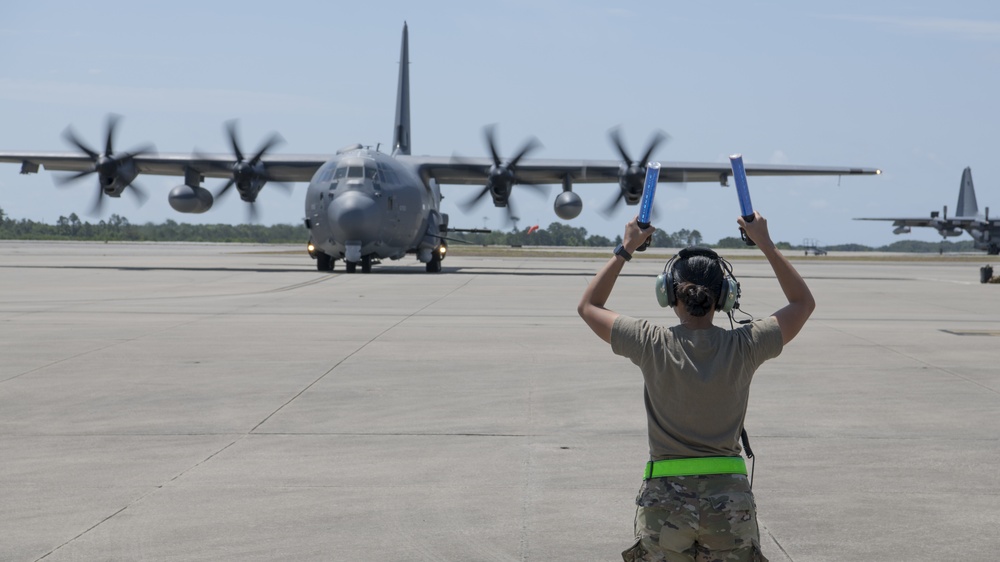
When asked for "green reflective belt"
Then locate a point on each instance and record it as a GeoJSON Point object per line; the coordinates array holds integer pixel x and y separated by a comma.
{"type": "Point", "coordinates": [695, 467]}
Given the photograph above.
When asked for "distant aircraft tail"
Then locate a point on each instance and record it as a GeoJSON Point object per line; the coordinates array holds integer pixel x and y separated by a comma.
{"type": "Point", "coordinates": [401, 132]}
{"type": "Point", "coordinates": [967, 206]}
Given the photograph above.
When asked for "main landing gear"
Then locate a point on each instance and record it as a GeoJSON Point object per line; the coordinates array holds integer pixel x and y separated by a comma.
{"type": "Point", "coordinates": [366, 265]}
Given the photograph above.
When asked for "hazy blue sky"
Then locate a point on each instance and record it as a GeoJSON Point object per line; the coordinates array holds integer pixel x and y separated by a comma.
{"type": "Point", "coordinates": [909, 87]}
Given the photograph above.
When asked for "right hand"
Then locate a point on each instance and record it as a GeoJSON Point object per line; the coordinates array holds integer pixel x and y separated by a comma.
{"type": "Point", "coordinates": [756, 229]}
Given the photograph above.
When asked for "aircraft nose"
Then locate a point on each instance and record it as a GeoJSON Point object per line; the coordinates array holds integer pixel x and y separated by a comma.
{"type": "Point", "coordinates": [353, 216]}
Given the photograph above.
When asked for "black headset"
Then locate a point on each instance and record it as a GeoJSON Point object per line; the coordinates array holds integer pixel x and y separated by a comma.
{"type": "Point", "coordinates": [729, 292]}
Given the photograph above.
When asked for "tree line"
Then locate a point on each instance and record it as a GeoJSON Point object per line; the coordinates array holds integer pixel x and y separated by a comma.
{"type": "Point", "coordinates": [118, 228]}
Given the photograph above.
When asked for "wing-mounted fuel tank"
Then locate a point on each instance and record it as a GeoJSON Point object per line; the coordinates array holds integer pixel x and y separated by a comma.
{"type": "Point", "coordinates": [568, 204]}
{"type": "Point", "coordinates": [187, 199]}
{"type": "Point", "coordinates": [190, 197]}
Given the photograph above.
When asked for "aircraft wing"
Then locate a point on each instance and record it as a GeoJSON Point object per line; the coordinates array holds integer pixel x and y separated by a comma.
{"type": "Point", "coordinates": [280, 167]}
{"type": "Point", "coordinates": [475, 170]}
{"type": "Point", "coordinates": [939, 223]}
{"type": "Point", "coordinates": [923, 221]}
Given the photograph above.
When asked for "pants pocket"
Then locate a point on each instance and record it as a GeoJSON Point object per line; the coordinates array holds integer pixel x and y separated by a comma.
{"type": "Point", "coordinates": [634, 553]}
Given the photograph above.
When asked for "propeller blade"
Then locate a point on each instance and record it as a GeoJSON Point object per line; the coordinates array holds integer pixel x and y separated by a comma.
{"type": "Point", "coordinates": [141, 150]}
{"type": "Point", "coordinates": [252, 213]}
{"type": "Point", "coordinates": [489, 132]}
{"type": "Point", "coordinates": [71, 137]}
{"type": "Point", "coordinates": [607, 211]}
{"type": "Point", "coordinates": [231, 129]}
{"type": "Point", "coordinates": [539, 188]}
{"type": "Point", "coordinates": [272, 141]}
{"type": "Point", "coordinates": [225, 187]}
{"type": "Point", "coordinates": [616, 140]}
{"type": "Point", "coordinates": [99, 202]}
{"type": "Point", "coordinates": [140, 193]}
{"type": "Point", "coordinates": [203, 161]}
{"type": "Point", "coordinates": [658, 137]}
{"type": "Point", "coordinates": [529, 146]}
{"type": "Point", "coordinates": [62, 180]}
{"type": "Point", "coordinates": [468, 205]}
{"type": "Point", "coordinates": [112, 123]}
{"type": "Point", "coordinates": [283, 186]}
{"type": "Point", "coordinates": [510, 211]}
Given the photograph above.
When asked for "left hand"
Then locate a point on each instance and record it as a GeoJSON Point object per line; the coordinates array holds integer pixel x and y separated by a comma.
{"type": "Point", "coordinates": [635, 236]}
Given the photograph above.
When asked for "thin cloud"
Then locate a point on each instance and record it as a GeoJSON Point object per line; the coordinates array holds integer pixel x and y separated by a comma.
{"type": "Point", "coordinates": [165, 99]}
{"type": "Point", "coordinates": [979, 30]}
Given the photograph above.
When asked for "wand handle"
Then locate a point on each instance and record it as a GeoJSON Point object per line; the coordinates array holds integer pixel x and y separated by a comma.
{"type": "Point", "coordinates": [743, 191]}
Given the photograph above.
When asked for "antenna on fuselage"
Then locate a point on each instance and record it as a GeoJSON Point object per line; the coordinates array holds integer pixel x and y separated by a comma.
{"type": "Point", "coordinates": [401, 131]}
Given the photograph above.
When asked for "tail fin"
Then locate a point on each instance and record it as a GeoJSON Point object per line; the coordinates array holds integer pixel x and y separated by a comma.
{"type": "Point", "coordinates": [967, 206]}
{"type": "Point", "coordinates": [401, 132]}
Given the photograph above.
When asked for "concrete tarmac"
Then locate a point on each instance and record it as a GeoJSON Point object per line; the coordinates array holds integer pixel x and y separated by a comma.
{"type": "Point", "coordinates": [226, 402]}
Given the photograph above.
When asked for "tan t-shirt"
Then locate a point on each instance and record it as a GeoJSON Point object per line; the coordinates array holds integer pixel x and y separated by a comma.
{"type": "Point", "coordinates": [697, 381]}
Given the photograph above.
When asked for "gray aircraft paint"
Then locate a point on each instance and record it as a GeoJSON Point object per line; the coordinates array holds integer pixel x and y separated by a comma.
{"type": "Point", "coordinates": [395, 212]}
{"type": "Point", "coordinates": [985, 232]}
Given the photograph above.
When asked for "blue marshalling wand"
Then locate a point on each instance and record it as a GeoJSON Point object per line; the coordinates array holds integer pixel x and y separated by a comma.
{"type": "Point", "coordinates": [746, 207]}
{"type": "Point", "coordinates": [646, 203]}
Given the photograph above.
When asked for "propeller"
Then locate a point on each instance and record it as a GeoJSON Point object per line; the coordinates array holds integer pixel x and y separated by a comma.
{"type": "Point", "coordinates": [502, 175]}
{"type": "Point", "coordinates": [632, 175]}
{"type": "Point", "coordinates": [248, 174]}
{"type": "Point", "coordinates": [115, 171]}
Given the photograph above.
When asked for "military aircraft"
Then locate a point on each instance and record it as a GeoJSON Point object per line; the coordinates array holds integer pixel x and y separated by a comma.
{"type": "Point", "coordinates": [985, 232]}
{"type": "Point", "coordinates": [364, 205]}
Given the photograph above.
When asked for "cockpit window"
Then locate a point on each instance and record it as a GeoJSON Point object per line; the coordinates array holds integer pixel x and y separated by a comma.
{"type": "Point", "coordinates": [355, 172]}
{"type": "Point", "coordinates": [341, 172]}
{"type": "Point", "coordinates": [371, 173]}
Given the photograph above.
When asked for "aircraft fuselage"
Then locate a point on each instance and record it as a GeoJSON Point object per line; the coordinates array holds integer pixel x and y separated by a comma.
{"type": "Point", "coordinates": [363, 205]}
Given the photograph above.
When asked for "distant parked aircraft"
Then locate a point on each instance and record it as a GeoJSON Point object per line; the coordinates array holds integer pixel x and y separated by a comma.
{"type": "Point", "coordinates": [985, 232]}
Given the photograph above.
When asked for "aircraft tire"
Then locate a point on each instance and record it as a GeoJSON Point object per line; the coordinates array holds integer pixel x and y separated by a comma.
{"type": "Point", "coordinates": [434, 266]}
{"type": "Point", "coordinates": [366, 264]}
{"type": "Point", "coordinates": [350, 266]}
{"type": "Point", "coordinates": [323, 262]}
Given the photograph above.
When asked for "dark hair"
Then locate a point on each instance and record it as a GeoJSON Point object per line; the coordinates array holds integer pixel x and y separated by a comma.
{"type": "Point", "coordinates": [699, 279]}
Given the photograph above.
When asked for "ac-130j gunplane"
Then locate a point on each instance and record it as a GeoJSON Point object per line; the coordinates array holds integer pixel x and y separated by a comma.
{"type": "Point", "coordinates": [363, 205]}
{"type": "Point", "coordinates": [985, 232]}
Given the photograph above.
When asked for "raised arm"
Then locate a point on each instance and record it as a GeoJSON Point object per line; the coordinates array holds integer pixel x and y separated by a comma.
{"type": "Point", "coordinates": [595, 296]}
{"type": "Point", "coordinates": [801, 304]}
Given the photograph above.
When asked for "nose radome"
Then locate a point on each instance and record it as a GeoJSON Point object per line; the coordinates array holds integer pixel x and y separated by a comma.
{"type": "Point", "coordinates": [353, 216]}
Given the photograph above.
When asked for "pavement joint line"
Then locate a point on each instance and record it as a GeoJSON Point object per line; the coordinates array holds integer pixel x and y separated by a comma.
{"type": "Point", "coordinates": [778, 543]}
{"type": "Point", "coordinates": [142, 497]}
{"type": "Point", "coordinates": [243, 436]}
{"type": "Point", "coordinates": [168, 328]}
{"type": "Point", "coordinates": [920, 361]}
{"type": "Point", "coordinates": [359, 349]}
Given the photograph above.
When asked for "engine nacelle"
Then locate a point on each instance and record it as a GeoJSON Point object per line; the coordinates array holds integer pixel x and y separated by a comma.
{"type": "Point", "coordinates": [568, 205]}
{"type": "Point", "coordinates": [187, 199]}
{"type": "Point", "coordinates": [901, 230]}
{"type": "Point", "coordinates": [947, 232]}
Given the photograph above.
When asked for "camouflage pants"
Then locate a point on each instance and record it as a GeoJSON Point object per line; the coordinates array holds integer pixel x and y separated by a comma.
{"type": "Point", "coordinates": [696, 518]}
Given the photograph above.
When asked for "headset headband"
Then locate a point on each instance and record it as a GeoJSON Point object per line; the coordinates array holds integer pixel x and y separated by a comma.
{"type": "Point", "coordinates": [729, 292]}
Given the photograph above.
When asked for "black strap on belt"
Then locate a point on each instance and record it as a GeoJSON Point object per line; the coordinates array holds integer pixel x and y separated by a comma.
{"type": "Point", "coordinates": [746, 443]}
{"type": "Point", "coordinates": [746, 448]}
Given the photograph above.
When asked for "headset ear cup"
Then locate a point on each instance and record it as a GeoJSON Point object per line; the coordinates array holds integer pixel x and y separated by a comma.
{"type": "Point", "coordinates": [729, 296]}
{"type": "Point", "coordinates": [662, 288]}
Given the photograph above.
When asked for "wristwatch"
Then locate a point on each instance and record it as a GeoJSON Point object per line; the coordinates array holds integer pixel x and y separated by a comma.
{"type": "Point", "coordinates": [621, 251]}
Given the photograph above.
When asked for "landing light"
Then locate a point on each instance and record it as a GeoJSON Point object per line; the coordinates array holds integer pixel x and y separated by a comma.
{"type": "Point", "coordinates": [442, 251]}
